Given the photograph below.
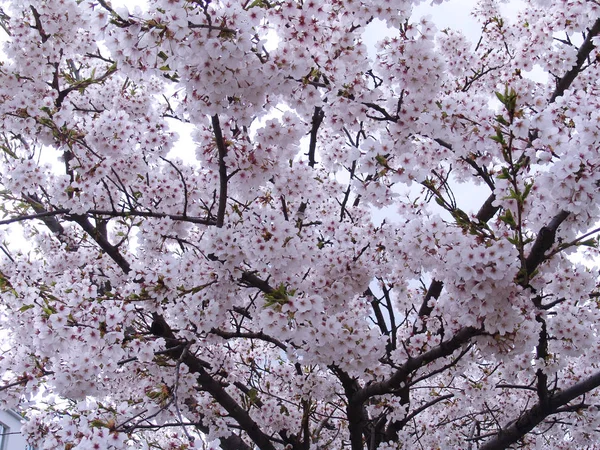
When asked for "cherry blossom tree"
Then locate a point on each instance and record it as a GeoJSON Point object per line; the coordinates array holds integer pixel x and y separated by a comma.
{"type": "Point", "coordinates": [243, 291]}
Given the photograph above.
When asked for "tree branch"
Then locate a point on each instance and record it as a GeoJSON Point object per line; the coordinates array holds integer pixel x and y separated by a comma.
{"type": "Point", "coordinates": [444, 349]}
{"type": "Point", "coordinates": [249, 335]}
{"type": "Point", "coordinates": [222, 148]}
{"type": "Point", "coordinates": [487, 210]}
{"type": "Point", "coordinates": [584, 51]}
{"type": "Point", "coordinates": [38, 24]}
{"type": "Point", "coordinates": [56, 227]}
{"type": "Point", "coordinates": [107, 247]}
{"type": "Point", "coordinates": [355, 410]}
{"type": "Point", "coordinates": [317, 119]}
{"type": "Point", "coordinates": [543, 242]}
{"type": "Point", "coordinates": [375, 304]}
{"type": "Point", "coordinates": [536, 415]}
{"type": "Point", "coordinates": [434, 291]}
{"type": "Point", "coordinates": [213, 387]}
{"type": "Point", "coordinates": [252, 280]}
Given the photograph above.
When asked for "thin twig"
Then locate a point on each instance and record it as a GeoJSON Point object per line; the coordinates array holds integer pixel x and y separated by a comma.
{"type": "Point", "coordinates": [185, 191]}
{"type": "Point", "coordinates": [99, 212]}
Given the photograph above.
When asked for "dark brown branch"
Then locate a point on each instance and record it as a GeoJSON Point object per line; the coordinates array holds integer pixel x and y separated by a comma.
{"type": "Point", "coordinates": [444, 349]}
{"type": "Point", "coordinates": [211, 27]}
{"type": "Point", "coordinates": [284, 207]}
{"type": "Point", "coordinates": [487, 210]}
{"type": "Point", "coordinates": [375, 304]}
{"type": "Point", "coordinates": [249, 335]}
{"type": "Point", "coordinates": [531, 418]}
{"type": "Point", "coordinates": [541, 350]}
{"type": "Point", "coordinates": [222, 148]}
{"type": "Point", "coordinates": [344, 202]}
{"type": "Point", "coordinates": [40, 213]}
{"type": "Point", "coordinates": [434, 291]}
{"type": "Point", "coordinates": [102, 242]}
{"type": "Point", "coordinates": [234, 442]}
{"type": "Point", "coordinates": [582, 55]}
{"type": "Point", "coordinates": [317, 119]}
{"type": "Point", "coordinates": [355, 410]}
{"type": "Point", "coordinates": [213, 387]}
{"type": "Point", "coordinates": [38, 24]}
{"type": "Point", "coordinates": [481, 172]}
{"type": "Point", "coordinates": [51, 222]}
{"type": "Point", "coordinates": [515, 386]}
{"type": "Point", "coordinates": [54, 225]}
{"type": "Point", "coordinates": [385, 115]}
{"type": "Point", "coordinates": [391, 314]}
{"type": "Point", "coordinates": [543, 242]}
{"type": "Point", "coordinates": [252, 280]}
{"type": "Point", "coordinates": [246, 390]}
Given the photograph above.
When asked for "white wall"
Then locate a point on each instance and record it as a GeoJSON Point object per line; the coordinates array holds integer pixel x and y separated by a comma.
{"type": "Point", "coordinates": [12, 438]}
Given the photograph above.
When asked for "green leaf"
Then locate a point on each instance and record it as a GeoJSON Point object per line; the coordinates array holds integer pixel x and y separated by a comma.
{"type": "Point", "coordinates": [505, 175]}
{"type": "Point", "coordinates": [97, 423]}
{"type": "Point", "coordinates": [253, 395]}
{"type": "Point", "coordinates": [499, 138]}
{"type": "Point", "coordinates": [589, 243]}
{"type": "Point", "coordinates": [461, 217]}
{"type": "Point", "coordinates": [513, 240]}
{"type": "Point", "coordinates": [527, 190]}
{"type": "Point", "coordinates": [278, 296]}
{"type": "Point", "coordinates": [48, 310]}
{"type": "Point", "coordinates": [500, 119]}
{"type": "Point", "coordinates": [508, 219]}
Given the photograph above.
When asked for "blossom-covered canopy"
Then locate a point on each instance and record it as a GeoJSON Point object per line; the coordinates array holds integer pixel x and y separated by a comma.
{"type": "Point", "coordinates": [309, 266]}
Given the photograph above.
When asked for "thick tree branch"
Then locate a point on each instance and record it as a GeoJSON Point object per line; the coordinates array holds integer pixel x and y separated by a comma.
{"type": "Point", "coordinates": [40, 213]}
{"type": "Point", "coordinates": [487, 210]}
{"type": "Point", "coordinates": [434, 291]}
{"type": "Point", "coordinates": [107, 247]}
{"type": "Point", "coordinates": [582, 55]}
{"type": "Point", "coordinates": [249, 279]}
{"type": "Point", "coordinates": [176, 351]}
{"type": "Point", "coordinates": [355, 410]}
{"type": "Point", "coordinates": [527, 421]}
{"type": "Point", "coordinates": [317, 119]}
{"type": "Point", "coordinates": [38, 24]}
{"type": "Point", "coordinates": [395, 381]}
{"type": "Point", "coordinates": [543, 242]}
{"type": "Point", "coordinates": [213, 387]}
{"type": "Point", "coordinates": [375, 304]}
{"type": "Point", "coordinates": [222, 148]}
